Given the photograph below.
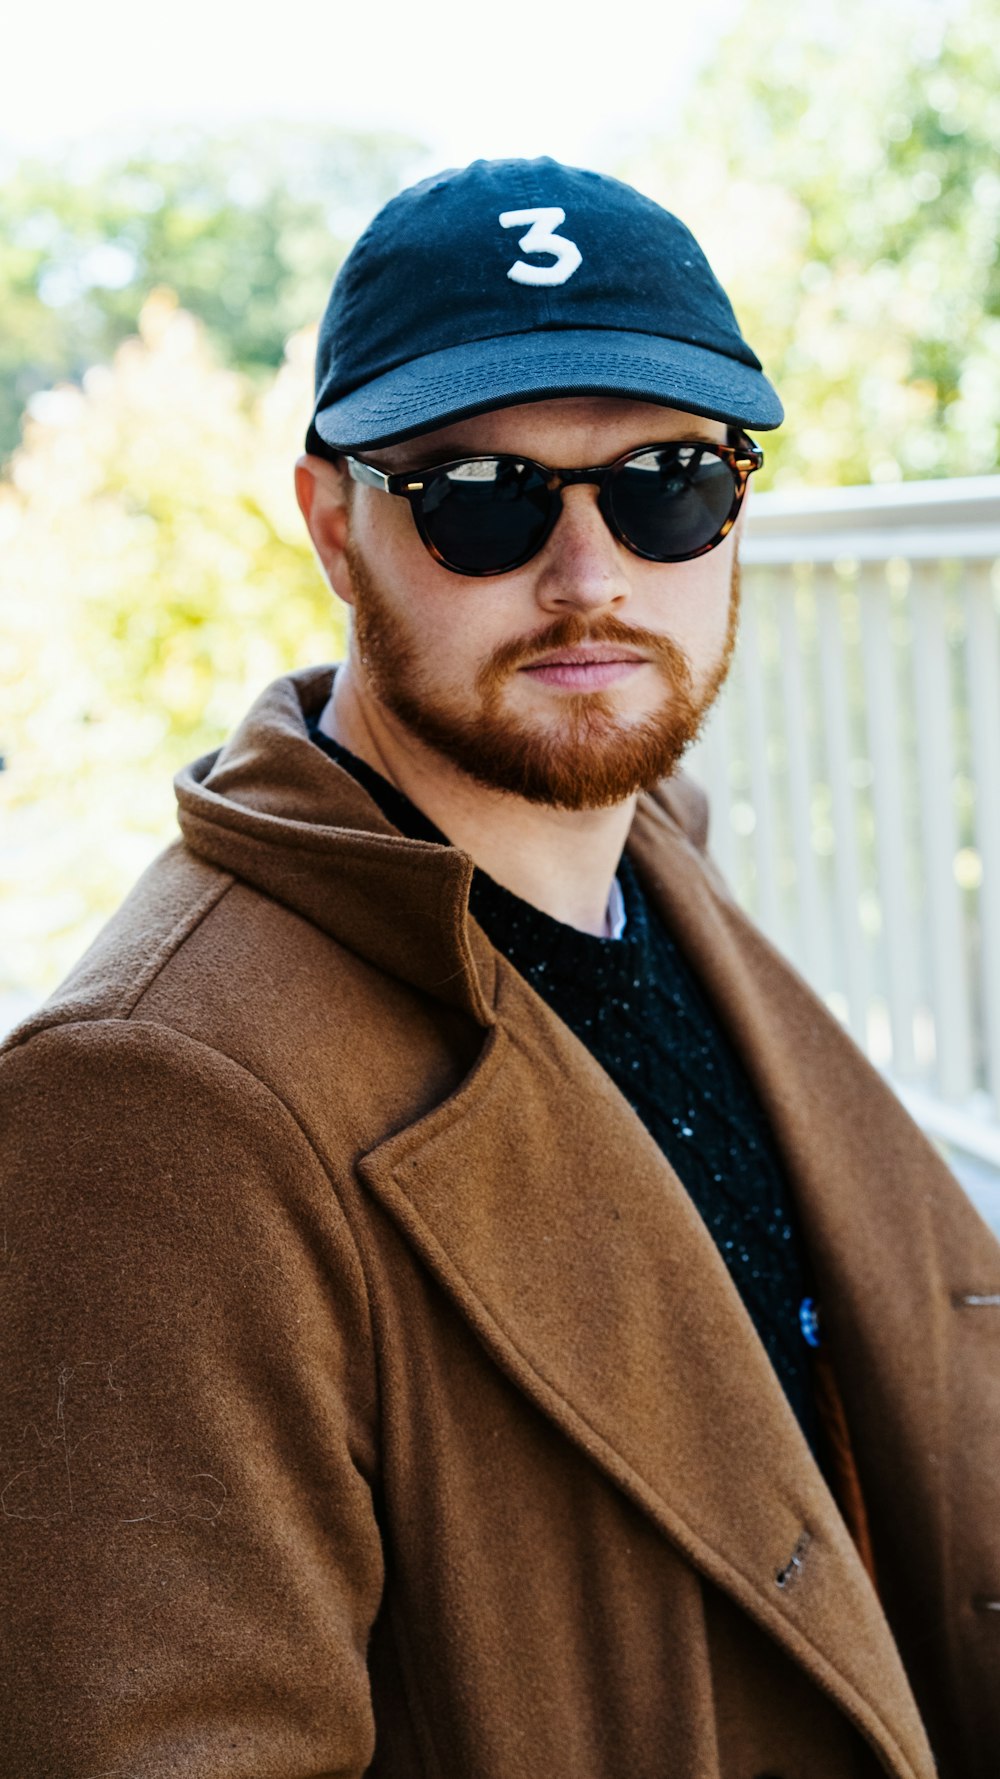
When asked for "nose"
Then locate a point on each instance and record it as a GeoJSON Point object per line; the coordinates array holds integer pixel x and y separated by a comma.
{"type": "Point", "coordinates": [582, 566]}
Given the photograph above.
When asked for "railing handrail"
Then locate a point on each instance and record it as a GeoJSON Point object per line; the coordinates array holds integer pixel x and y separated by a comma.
{"type": "Point", "coordinates": [955, 519]}
{"type": "Point", "coordinates": [942, 502]}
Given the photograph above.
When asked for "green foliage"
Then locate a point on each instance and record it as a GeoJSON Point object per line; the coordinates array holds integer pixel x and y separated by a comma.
{"type": "Point", "coordinates": [842, 173]}
{"type": "Point", "coordinates": [155, 574]}
{"type": "Point", "coordinates": [840, 168]}
{"type": "Point", "coordinates": [154, 569]}
{"type": "Point", "coordinates": [248, 230]}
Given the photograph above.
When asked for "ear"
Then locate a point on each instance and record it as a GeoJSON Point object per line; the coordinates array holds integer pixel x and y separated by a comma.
{"type": "Point", "coordinates": [324, 501]}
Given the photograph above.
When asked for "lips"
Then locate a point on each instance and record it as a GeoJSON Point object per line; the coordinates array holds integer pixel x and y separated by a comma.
{"type": "Point", "coordinates": [598, 654]}
{"type": "Point", "coordinates": [585, 669]}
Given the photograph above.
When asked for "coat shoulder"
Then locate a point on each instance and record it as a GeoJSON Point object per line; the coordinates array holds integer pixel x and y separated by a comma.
{"type": "Point", "coordinates": [167, 903]}
{"type": "Point", "coordinates": [196, 956]}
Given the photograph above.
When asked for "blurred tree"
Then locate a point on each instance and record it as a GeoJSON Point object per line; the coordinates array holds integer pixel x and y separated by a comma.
{"type": "Point", "coordinates": [840, 166]}
{"type": "Point", "coordinates": [154, 575]}
{"type": "Point", "coordinates": [248, 229]}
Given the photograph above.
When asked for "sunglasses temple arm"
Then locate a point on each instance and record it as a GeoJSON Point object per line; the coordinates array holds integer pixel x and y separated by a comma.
{"type": "Point", "coordinates": [368, 474]}
{"type": "Point", "coordinates": [750, 456]}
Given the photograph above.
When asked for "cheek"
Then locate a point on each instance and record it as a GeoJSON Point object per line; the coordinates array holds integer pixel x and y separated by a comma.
{"type": "Point", "coordinates": [711, 610]}
{"type": "Point", "coordinates": [451, 625]}
{"type": "Point", "coordinates": [383, 529]}
{"type": "Point", "coordinates": [691, 604]}
{"type": "Point", "coordinates": [457, 629]}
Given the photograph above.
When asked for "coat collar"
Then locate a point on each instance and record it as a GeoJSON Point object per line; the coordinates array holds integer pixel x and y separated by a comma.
{"type": "Point", "coordinates": [591, 1278]}
{"type": "Point", "coordinates": [272, 808]}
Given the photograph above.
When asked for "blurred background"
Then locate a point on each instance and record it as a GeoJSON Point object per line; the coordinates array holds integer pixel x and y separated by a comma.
{"type": "Point", "coordinates": [177, 191]}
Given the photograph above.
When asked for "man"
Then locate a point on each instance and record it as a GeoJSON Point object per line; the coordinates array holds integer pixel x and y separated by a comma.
{"type": "Point", "coordinates": [470, 1311]}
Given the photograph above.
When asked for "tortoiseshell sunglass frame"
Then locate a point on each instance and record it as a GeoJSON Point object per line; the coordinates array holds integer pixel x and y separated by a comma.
{"type": "Point", "coordinates": [742, 455]}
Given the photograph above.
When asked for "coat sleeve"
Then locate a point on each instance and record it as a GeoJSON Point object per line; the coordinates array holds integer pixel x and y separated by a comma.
{"type": "Point", "coordinates": [191, 1562]}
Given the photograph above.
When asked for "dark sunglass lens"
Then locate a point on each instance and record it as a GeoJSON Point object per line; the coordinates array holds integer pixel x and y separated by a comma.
{"type": "Point", "coordinates": [672, 502]}
{"type": "Point", "coordinates": [487, 514]}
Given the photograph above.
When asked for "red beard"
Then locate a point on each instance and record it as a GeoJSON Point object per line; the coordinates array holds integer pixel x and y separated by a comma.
{"type": "Point", "coordinates": [595, 759]}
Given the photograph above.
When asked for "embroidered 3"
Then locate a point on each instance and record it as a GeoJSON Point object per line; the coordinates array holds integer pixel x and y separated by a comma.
{"type": "Point", "coordinates": [541, 238]}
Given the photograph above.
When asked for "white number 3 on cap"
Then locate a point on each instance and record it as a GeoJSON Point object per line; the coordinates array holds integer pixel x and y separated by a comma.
{"type": "Point", "coordinates": [541, 238]}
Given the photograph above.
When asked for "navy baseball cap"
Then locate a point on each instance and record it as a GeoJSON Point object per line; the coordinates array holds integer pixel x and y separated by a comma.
{"type": "Point", "coordinates": [514, 281]}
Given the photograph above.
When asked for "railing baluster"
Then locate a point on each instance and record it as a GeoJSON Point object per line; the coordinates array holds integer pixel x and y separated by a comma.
{"type": "Point", "coordinates": [752, 673]}
{"type": "Point", "coordinates": [983, 659]}
{"type": "Point", "coordinates": [898, 933]}
{"type": "Point", "coordinates": [936, 772]}
{"type": "Point", "coordinates": [813, 948]}
{"type": "Point", "coordinates": [853, 943]}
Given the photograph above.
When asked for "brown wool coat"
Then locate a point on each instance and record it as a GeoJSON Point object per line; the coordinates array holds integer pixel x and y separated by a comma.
{"type": "Point", "coordinates": [372, 1397]}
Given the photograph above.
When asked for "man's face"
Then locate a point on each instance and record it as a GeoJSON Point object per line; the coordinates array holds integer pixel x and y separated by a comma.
{"type": "Point", "coordinates": [575, 680]}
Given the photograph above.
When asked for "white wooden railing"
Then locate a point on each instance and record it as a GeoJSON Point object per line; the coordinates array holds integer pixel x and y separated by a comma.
{"type": "Point", "coordinates": [853, 765]}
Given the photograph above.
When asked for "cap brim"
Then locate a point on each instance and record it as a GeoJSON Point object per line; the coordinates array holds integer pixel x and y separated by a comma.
{"type": "Point", "coordinates": [444, 386]}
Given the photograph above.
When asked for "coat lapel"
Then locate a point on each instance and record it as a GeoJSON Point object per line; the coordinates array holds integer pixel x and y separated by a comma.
{"type": "Point", "coordinates": [543, 1207]}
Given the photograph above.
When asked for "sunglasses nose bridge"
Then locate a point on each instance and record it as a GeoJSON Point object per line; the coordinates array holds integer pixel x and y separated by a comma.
{"type": "Point", "coordinates": [597, 477]}
{"type": "Point", "coordinates": [569, 478]}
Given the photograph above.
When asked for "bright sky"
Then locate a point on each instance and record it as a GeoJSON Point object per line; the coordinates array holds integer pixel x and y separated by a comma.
{"type": "Point", "coordinates": [469, 77]}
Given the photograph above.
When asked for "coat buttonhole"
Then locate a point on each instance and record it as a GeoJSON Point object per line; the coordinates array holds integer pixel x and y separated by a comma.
{"type": "Point", "coordinates": [790, 1571]}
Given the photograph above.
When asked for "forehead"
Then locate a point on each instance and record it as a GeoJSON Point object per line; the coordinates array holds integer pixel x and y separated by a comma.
{"type": "Point", "coordinates": [568, 432]}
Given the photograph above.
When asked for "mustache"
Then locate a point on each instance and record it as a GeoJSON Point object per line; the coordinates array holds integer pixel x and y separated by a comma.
{"type": "Point", "coordinates": [569, 632]}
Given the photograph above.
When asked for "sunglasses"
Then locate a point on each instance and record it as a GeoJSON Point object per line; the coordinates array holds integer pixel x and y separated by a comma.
{"type": "Point", "coordinates": [488, 515]}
